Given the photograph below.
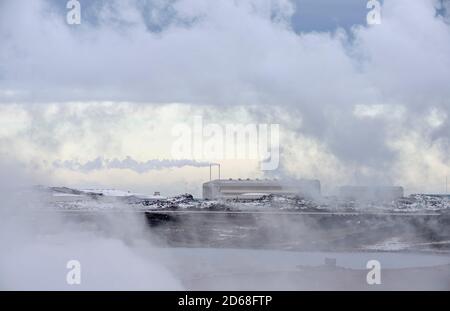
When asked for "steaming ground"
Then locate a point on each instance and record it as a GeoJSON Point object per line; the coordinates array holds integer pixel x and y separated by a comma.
{"type": "Point", "coordinates": [115, 251]}
{"type": "Point", "coordinates": [418, 222]}
{"type": "Point", "coordinates": [133, 243]}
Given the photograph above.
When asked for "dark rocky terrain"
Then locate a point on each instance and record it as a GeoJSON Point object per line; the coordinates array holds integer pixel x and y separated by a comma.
{"type": "Point", "coordinates": [413, 223]}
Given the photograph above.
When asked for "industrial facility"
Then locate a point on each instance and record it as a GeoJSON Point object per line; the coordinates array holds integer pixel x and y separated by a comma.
{"type": "Point", "coordinates": [371, 193]}
{"type": "Point", "coordinates": [257, 188]}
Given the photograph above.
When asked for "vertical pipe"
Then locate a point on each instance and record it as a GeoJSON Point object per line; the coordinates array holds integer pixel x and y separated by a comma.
{"type": "Point", "coordinates": [210, 170]}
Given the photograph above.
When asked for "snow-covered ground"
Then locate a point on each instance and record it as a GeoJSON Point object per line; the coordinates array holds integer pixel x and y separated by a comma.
{"type": "Point", "coordinates": [68, 198]}
{"type": "Point", "coordinates": [185, 243]}
{"type": "Point", "coordinates": [418, 222]}
{"type": "Point", "coordinates": [121, 193]}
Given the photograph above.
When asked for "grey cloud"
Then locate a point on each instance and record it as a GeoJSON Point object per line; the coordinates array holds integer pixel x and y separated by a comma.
{"type": "Point", "coordinates": [234, 53]}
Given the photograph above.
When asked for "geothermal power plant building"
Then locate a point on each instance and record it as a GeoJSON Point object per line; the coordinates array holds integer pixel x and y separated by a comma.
{"type": "Point", "coordinates": [256, 188]}
{"type": "Point", "coordinates": [367, 193]}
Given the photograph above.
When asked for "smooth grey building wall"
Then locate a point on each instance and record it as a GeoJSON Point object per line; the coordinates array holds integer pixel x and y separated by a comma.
{"type": "Point", "coordinates": [371, 192]}
{"type": "Point", "coordinates": [256, 188]}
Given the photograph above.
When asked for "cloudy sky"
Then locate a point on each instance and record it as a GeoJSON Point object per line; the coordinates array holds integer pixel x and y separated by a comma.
{"type": "Point", "coordinates": [94, 105]}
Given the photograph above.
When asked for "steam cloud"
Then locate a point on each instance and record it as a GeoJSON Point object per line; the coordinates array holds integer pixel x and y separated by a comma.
{"type": "Point", "coordinates": [115, 251]}
{"type": "Point", "coordinates": [360, 105]}
{"type": "Point", "coordinates": [127, 163]}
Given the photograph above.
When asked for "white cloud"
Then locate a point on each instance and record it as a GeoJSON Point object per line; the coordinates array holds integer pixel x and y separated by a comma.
{"type": "Point", "coordinates": [436, 117]}
{"type": "Point", "coordinates": [353, 94]}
